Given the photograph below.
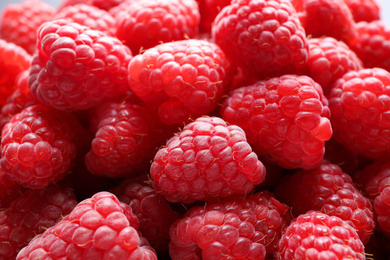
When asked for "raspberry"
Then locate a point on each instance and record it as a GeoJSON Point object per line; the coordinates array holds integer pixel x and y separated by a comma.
{"type": "Point", "coordinates": [31, 214]}
{"type": "Point", "coordinates": [285, 119]}
{"type": "Point", "coordinates": [124, 141]}
{"type": "Point", "coordinates": [76, 67]}
{"type": "Point", "coordinates": [98, 228]}
{"type": "Point", "coordinates": [19, 22]}
{"type": "Point", "coordinates": [207, 160]}
{"type": "Point", "coordinates": [264, 37]}
{"type": "Point", "coordinates": [181, 79]}
{"type": "Point", "coordinates": [209, 9]}
{"type": "Point", "coordinates": [328, 18]}
{"type": "Point", "coordinates": [360, 107]}
{"type": "Point", "coordinates": [145, 24]}
{"type": "Point", "coordinates": [154, 213]}
{"type": "Point", "coordinates": [13, 60]}
{"type": "Point", "coordinates": [371, 45]}
{"type": "Point", "coordinates": [66, 3]}
{"type": "Point", "coordinates": [9, 191]}
{"type": "Point", "coordinates": [18, 100]}
{"type": "Point", "coordinates": [329, 190]}
{"type": "Point", "coordinates": [38, 146]}
{"type": "Point", "coordinates": [241, 228]}
{"type": "Point", "coordinates": [315, 235]}
{"type": "Point", "coordinates": [330, 59]}
{"type": "Point", "coordinates": [364, 10]}
{"type": "Point", "coordinates": [89, 16]}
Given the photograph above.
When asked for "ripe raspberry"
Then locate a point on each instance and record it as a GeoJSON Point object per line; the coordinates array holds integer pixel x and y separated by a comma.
{"type": "Point", "coordinates": [9, 191]}
{"type": "Point", "coordinates": [264, 37]}
{"type": "Point", "coordinates": [328, 18]}
{"type": "Point", "coordinates": [13, 60]}
{"type": "Point", "coordinates": [377, 187]}
{"type": "Point", "coordinates": [38, 146]}
{"type": "Point", "coordinates": [31, 214]}
{"type": "Point", "coordinates": [77, 67]}
{"type": "Point", "coordinates": [145, 24]}
{"type": "Point", "coordinates": [364, 10]}
{"type": "Point", "coordinates": [19, 22]}
{"type": "Point", "coordinates": [98, 228]}
{"type": "Point", "coordinates": [207, 160]}
{"type": "Point", "coordinates": [89, 16]}
{"type": "Point", "coordinates": [241, 228]}
{"type": "Point", "coordinates": [66, 3]}
{"type": "Point", "coordinates": [371, 44]}
{"type": "Point", "coordinates": [329, 190]}
{"type": "Point", "coordinates": [285, 119]}
{"type": "Point", "coordinates": [18, 100]}
{"type": "Point", "coordinates": [181, 79]}
{"type": "Point", "coordinates": [126, 139]}
{"type": "Point", "coordinates": [315, 235]}
{"type": "Point", "coordinates": [330, 59]}
{"type": "Point", "coordinates": [360, 107]}
{"type": "Point", "coordinates": [209, 9]}
{"type": "Point", "coordinates": [154, 213]}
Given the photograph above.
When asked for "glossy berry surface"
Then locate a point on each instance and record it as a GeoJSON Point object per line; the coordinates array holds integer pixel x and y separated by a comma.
{"type": "Point", "coordinates": [285, 119]}
{"type": "Point", "coordinates": [364, 10]}
{"type": "Point", "coordinates": [207, 160]}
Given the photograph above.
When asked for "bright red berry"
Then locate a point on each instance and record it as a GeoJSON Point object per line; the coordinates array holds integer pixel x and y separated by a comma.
{"type": "Point", "coordinates": [38, 146]}
{"type": "Point", "coordinates": [19, 22]}
{"type": "Point", "coordinates": [31, 214]}
{"type": "Point", "coordinates": [360, 108]}
{"type": "Point", "coordinates": [241, 228]}
{"type": "Point", "coordinates": [364, 10]}
{"type": "Point", "coordinates": [315, 235]}
{"type": "Point", "coordinates": [207, 160]}
{"type": "Point", "coordinates": [180, 79]}
{"type": "Point", "coordinates": [264, 37]}
{"type": "Point", "coordinates": [285, 119]}
{"type": "Point", "coordinates": [77, 67]}
{"type": "Point", "coordinates": [98, 228]}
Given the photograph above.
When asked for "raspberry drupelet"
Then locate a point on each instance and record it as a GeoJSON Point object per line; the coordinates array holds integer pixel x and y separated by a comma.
{"type": "Point", "coordinates": [264, 37]}
{"type": "Point", "coordinates": [180, 79]}
{"type": "Point", "coordinates": [98, 228]}
{"type": "Point", "coordinates": [285, 119]}
{"type": "Point", "coordinates": [240, 228]}
{"type": "Point", "coordinates": [360, 108]}
{"type": "Point", "coordinates": [315, 235]}
{"type": "Point", "coordinates": [207, 160]}
{"type": "Point", "coordinates": [38, 146]}
{"type": "Point", "coordinates": [331, 191]}
{"type": "Point", "coordinates": [19, 22]}
{"type": "Point", "coordinates": [76, 67]}
{"type": "Point", "coordinates": [31, 214]}
{"type": "Point", "coordinates": [364, 10]}
{"type": "Point", "coordinates": [145, 24]}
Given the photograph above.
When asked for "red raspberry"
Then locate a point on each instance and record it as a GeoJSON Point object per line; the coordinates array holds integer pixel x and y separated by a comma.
{"type": "Point", "coordinates": [209, 9]}
{"type": "Point", "coordinates": [77, 67]}
{"type": "Point", "coordinates": [13, 60]}
{"type": "Point", "coordinates": [65, 3]}
{"type": "Point", "coordinates": [38, 146]}
{"type": "Point", "coordinates": [31, 214]}
{"type": "Point", "coordinates": [89, 16]}
{"type": "Point", "coordinates": [207, 160]}
{"type": "Point", "coordinates": [121, 7]}
{"type": "Point", "coordinates": [285, 119]}
{"type": "Point", "coordinates": [364, 10]}
{"type": "Point", "coordinates": [125, 140]}
{"type": "Point", "coordinates": [98, 228]}
{"type": "Point", "coordinates": [360, 107]}
{"type": "Point", "coordinates": [154, 213]}
{"type": "Point", "coordinates": [145, 24]}
{"type": "Point", "coordinates": [181, 79]}
{"type": "Point", "coordinates": [9, 191]}
{"type": "Point", "coordinates": [328, 18]}
{"type": "Point", "coordinates": [371, 45]}
{"type": "Point", "coordinates": [315, 235]}
{"type": "Point", "coordinates": [329, 60]}
{"type": "Point", "coordinates": [377, 186]}
{"type": "Point", "coordinates": [329, 190]}
{"type": "Point", "coordinates": [18, 100]}
{"type": "Point", "coordinates": [264, 37]}
{"type": "Point", "coordinates": [241, 228]}
{"type": "Point", "coordinates": [19, 22]}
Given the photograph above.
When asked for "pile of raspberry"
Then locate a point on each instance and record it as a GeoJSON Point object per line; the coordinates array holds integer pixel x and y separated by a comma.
{"type": "Point", "coordinates": [194, 129]}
